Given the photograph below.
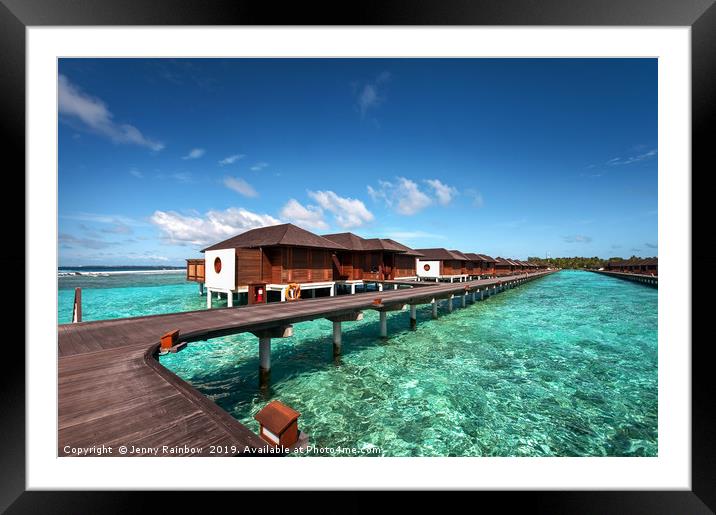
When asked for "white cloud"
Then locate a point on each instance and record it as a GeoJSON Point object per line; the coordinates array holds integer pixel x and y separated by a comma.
{"type": "Point", "coordinates": [146, 256]}
{"type": "Point", "coordinates": [577, 238]}
{"type": "Point", "coordinates": [118, 228]}
{"type": "Point", "coordinates": [410, 199]}
{"type": "Point", "coordinates": [443, 192]}
{"type": "Point", "coordinates": [370, 94]}
{"type": "Point", "coordinates": [348, 212]}
{"type": "Point", "coordinates": [231, 159]}
{"type": "Point", "coordinates": [194, 153]}
{"type": "Point", "coordinates": [213, 227]}
{"type": "Point", "coordinates": [136, 173]}
{"type": "Point", "coordinates": [240, 186]}
{"type": "Point", "coordinates": [477, 200]}
{"type": "Point", "coordinates": [183, 177]}
{"type": "Point", "coordinates": [632, 159]}
{"type": "Point", "coordinates": [308, 217]}
{"type": "Point", "coordinates": [95, 116]}
{"type": "Point", "coordinates": [69, 241]}
{"type": "Point", "coordinates": [404, 196]}
{"type": "Point", "coordinates": [103, 219]}
{"type": "Point", "coordinates": [259, 166]}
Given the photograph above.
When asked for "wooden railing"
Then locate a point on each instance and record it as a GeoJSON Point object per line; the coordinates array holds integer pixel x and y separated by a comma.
{"type": "Point", "coordinates": [77, 306]}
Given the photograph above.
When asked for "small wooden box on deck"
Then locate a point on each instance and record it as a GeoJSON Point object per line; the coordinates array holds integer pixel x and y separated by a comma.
{"type": "Point", "coordinates": [169, 340]}
{"type": "Point", "coordinates": [278, 424]}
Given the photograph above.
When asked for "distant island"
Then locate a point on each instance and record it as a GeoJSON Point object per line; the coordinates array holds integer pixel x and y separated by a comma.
{"type": "Point", "coordinates": [577, 262]}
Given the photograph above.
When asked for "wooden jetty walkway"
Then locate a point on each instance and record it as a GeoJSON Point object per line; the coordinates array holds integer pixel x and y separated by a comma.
{"type": "Point", "coordinates": [112, 391]}
{"type": "Point", "coordinates": [648, 280]}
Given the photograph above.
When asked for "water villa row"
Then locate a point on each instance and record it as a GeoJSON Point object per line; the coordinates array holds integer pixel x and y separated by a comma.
{"type": "Point", "coordinates": [648, 266]}
{"type": "Point", "coordinates": [644, 271]}
{"type": "Point", "coordinates": [280, 262]}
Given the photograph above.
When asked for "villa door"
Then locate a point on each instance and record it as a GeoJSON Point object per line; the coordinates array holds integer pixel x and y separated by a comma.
{"type": "Point", "coordinates": [388, 264]}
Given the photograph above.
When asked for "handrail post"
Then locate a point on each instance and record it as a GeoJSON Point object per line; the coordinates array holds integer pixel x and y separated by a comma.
{"type": "Point", "coordinates": [77, 306]}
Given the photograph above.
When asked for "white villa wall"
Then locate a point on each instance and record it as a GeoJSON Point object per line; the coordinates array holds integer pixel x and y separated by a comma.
{"type": "Point", "coordinates": [434, 268]}
{"type": "Point", "coordinates": [225, 280]}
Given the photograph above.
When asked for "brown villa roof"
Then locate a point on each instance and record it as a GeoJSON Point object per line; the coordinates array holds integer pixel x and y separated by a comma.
{"type": "Point", "coordinates": [487, 258]}
{"type": "Point", "coordinates": [439, 254]}
{"type": "Point", "coordinates": [347, 239]}
{"type": "Point", "coordinates": [356, 243]}
{"type": "Point", "coordinates": [380, 244]}
{"type": "Point", "coordinates": [502, 261]}
{"type": "Point", "coordinates": [283, 235]}
{"type": "Point", "coordinates": [472, 256]}
{"type": "Point", "coordinates": [407, 250]}
{"type": "Point", "coordinates": [460, 255]}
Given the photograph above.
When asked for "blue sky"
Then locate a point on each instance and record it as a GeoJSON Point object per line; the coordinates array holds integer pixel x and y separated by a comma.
{"type": "Point", "coordinates": [512, 157]}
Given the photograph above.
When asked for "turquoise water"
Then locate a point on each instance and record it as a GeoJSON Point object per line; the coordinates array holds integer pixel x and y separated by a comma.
{"type": "Point", "coordinates": [126, 295]}
{"type": "Point", "coordinates": [562, 366]}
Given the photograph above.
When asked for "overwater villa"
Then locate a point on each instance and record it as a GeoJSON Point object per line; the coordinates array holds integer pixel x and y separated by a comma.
{"type": "Point", "coordinates": [648, 266]}
{"type": "Point", "coordinates": [440, 264]}
{"type": "Point", "coordinates": [487, 265]}
{"type": "Point", "coordinates": [467, 266]}
{"type": "Point", "coordinates": [475, 264]}
{"type": "Point", "coordinates": [377, 259]}
{"type": "Point", "coordinates": [503, 266]}
{"type": "Point", "coordinates": [265, 262]}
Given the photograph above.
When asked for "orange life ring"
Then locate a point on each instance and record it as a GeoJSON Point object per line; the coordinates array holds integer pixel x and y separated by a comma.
{"type": "Point", "coordinates": [293, 292]}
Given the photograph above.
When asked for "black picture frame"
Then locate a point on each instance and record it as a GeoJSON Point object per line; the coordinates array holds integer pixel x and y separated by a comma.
{"type": "Point", "coordinates": [17, 15]}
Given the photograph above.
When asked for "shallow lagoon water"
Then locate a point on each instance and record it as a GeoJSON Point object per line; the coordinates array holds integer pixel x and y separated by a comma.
{"type": "Point", "coordinates": [562, 366]}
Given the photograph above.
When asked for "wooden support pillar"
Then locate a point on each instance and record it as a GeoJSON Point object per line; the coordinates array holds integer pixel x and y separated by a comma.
{"type": "Point", "coordinates": [208, 298]}
{"type": "Point", "coordinates": [435, 308]}
{"type": "Point", "coordinates": [353, 288]}
{"type": "Point", "coordinates": [265, 353]}
{"type": "Point", "coordinates": [383, 324]}
{"type": "Point", "coordinates": [337, 329]}
{"type": "Point", "coordinates": [464, 300]}
{"type": "Point", "coordinates": [380, 286]}
{"type": "Point", "coordinates": [264, 337]}
{"type": "Point", "coordinates": [230, 299]}
{"type": "Point", "coordinates": [482, 294]}
{"type": "Point", "coordinates": [413, 317]}
{"type": "Point", "coordinates": [336, 338]}
{"type": "Point", "coordinates": [201, 288]}
{"type": "Point", "coordinates": [313, 293]}
{"type": "Point", "coordinates": [474, 298]}
{"type": "Point", "coordinates": [449, 303]}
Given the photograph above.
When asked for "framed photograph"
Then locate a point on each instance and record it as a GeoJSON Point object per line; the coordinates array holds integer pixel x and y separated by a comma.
{"type": "Point", "coordinates": [414, 250]}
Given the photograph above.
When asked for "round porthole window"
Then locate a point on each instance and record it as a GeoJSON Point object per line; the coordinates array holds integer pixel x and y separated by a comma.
{"type": "Point", "coordinates": [217, 265]}
{"type": "Point", "coordinates": [426, 268]}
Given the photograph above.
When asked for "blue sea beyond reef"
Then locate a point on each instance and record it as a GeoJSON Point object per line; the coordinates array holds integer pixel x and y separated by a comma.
{"type": "Point", "coordinates": [562, 366]}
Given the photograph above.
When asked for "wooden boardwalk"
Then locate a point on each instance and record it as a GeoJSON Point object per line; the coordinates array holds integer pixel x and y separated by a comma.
{"type": "Point", "coordinates": [648, 280]}
{"type": "Point", "coordinates": [112, 391]}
